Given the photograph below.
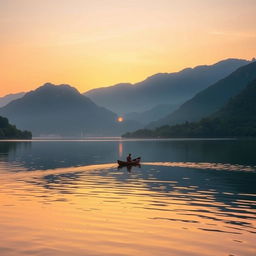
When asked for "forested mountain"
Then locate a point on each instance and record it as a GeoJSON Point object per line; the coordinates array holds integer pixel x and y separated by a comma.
{"type": "Point", "coordinates": [163, 88]}
{"type": "Point", "coordinates": [236, 119]}
{"type": "Point", "coordinates": [62, 110]}
{"type": "Point", "coordinates": [8, 131]}
{"type": "Point", "coordinates": [211, 99]}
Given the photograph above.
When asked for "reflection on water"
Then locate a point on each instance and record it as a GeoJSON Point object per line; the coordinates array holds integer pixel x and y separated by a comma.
{"type": "Point", "coordinates": [87, 206]}
{"type": "Point", "coordinates": [120, 149]}
{"type": "Point", "coordinates": [213, 166]}
{"type": "Point", "coordinates": [45, 155]}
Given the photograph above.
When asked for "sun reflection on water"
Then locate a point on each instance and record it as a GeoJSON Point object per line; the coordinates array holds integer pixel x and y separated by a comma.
{"type": "Point", "coordinates": [159, 209]}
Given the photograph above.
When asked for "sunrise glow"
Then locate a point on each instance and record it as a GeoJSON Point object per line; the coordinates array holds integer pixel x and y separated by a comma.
{"type": "Point", "coordinates": [120, 119]}
{"type": "Point", "coordinates": [90, 44]}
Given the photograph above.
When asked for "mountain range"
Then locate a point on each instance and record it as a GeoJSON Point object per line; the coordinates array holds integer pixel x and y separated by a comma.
{"type": "Point", "coordinates": [236, 119]}
{"type": "Point", "coordinates": [10, 97]}
{"type": "Point", "coordinates": [62, 110]}
{"type": "Point", "coordinates": [154, 113]}
{"type": "Point", "coordinates": [210, 99]}
{"type": "Point", "coordinates": [162, 88]}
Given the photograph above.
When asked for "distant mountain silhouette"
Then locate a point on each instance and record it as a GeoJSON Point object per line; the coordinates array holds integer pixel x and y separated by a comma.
{"type": "Point", "coordinates": [9, 131]}
{"type": "Point", "coordinates": [10, 97]}
{"type": "Point", "coordinates": [236, 119]}
{"type": "Point", "coordinates": [153, 114]}
{"type": "Point", "coordinates": [211, 99]}
{"type": "Point", "coordinates": [62, 110]}
{"type": "Point", "coordinates": [163, 88]}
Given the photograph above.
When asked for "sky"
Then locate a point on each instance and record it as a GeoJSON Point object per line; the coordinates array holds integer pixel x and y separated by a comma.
{"type": "Point", "coordinates": [96, 43]}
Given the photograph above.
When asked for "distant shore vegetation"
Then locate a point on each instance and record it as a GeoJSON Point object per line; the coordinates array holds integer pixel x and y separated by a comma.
{"type": "Point", "coordinates": [206, 128]}
{"type": "Point", "coordinates": [9, 131]}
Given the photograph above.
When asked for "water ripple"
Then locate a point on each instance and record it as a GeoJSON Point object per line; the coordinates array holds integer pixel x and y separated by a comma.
{"type": "Point", "coordinates": [152, 210]}
{"type": "Point", "coordinates": [206, 166]}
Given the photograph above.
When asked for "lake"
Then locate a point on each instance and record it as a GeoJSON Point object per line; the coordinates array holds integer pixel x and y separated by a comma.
{"type": "Point", "coordinates": [67, 197]}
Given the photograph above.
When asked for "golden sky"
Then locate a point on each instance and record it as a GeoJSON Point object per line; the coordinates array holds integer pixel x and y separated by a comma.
{"type": "Point", "coordinates": [95, 43]}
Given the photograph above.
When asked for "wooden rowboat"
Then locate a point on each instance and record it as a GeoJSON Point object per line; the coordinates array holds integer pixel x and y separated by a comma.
{"type": "Point", "coordinates": [133, 162]}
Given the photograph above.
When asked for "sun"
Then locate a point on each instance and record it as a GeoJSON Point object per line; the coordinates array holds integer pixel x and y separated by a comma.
{"type": "Point", "coordinates": [120, 119]}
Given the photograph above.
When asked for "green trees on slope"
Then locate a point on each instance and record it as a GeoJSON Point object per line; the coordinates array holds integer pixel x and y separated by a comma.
{"type": "Point", "coordinates": [8, 131]}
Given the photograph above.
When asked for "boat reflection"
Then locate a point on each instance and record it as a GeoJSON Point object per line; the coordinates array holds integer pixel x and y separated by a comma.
{"type": "Point", "coordinates": [129, 167]}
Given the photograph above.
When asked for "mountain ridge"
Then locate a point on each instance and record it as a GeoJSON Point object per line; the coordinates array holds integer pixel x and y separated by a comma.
{"type": "Point", "coordinates": [210, 99]}
{"type": "Point", "coordinates": [162, 88]}
{"type": "Point", "coordinates": [10, 97]}
{"type": "Point", "coordinates": [236, 119]}
{"type": "Point", "coordinates": [60, 110]}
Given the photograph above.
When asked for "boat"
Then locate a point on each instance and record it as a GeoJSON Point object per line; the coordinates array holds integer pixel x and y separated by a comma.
{"type": "Point", "coordinates": [133, 162]}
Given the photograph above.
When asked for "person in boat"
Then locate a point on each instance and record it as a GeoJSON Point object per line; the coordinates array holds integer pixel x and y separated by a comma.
{"type": "Point", "coordinates": [129, 158]}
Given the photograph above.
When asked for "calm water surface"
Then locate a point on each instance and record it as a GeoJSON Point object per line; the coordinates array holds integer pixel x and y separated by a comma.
{"type": "Point", "coordinates": [189, 197]}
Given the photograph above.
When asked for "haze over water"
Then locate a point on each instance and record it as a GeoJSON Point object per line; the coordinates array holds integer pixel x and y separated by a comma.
{"type": "Point", "coordinates": [189, 197]}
